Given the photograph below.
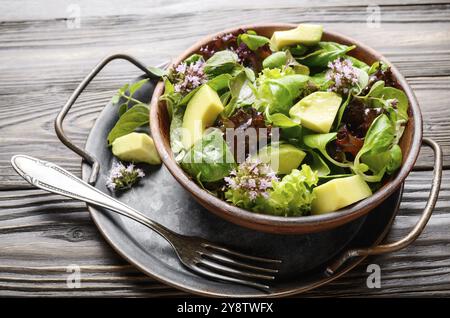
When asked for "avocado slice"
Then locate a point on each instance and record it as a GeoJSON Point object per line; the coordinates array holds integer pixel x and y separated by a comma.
{"type": "Point", "coordinates": [306, 34]}
{"type": "Point", "coordinates": [136, 147]}
{"type": "Point", "coordinates": [317, 111]}
{"type": "Point", "coordinates": [282, 158]}
{"type": "Point", "coordinates": [201, 112]}
{"type": "Point", "coordinates": [339, 193]}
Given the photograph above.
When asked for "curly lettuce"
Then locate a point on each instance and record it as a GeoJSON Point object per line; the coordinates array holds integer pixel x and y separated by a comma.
{"type": "Point", "coordinates": [290, 196]}
{"type": "Point", "coordinates": [293, 195]}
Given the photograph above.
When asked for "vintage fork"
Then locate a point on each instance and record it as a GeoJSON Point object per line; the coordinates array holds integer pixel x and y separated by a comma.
{"type": "Point", "coordinates": [197, 254]}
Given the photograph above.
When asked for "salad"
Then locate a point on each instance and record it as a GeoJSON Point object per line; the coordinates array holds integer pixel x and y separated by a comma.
{"type": "Point", "coordinates": [289, 125]}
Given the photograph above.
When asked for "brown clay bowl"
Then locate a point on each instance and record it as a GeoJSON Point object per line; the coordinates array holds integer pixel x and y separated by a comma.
{"type": "Point", "coordinates": [410, 145]}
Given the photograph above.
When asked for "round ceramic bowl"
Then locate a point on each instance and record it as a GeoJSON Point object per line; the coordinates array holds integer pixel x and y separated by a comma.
{"type": "Point", "coordinates": [410, 145]}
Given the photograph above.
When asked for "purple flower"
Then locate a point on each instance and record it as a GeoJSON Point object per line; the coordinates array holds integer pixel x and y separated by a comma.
{"type": "Point", "coordinates": [243, 52]}
{"type": "Point", "coordinates": [189, 77]}
{"type": "Point", "coordinates": [121, 177]}
{"type": "Point", "coordinates": [251, 183]}
{"type": "Point", "coordinates": [252, 179]}
{"type": "Point", "coordinates": [343, 75]}
{"type": "Point", "coordinates": [265, 184]}
{"type": "Point", "coordinates": [227, 37]}
{"type": "Point", "coordinates": [394, 102]}
{"type": "Point", "coordinates": [230, 182]}
{"type": "Point", "coordinates": [252, 195]}
{"type": "Point", "coordinates": [130, 167]}
{"type": "Point", "coordinates": [181, 68]}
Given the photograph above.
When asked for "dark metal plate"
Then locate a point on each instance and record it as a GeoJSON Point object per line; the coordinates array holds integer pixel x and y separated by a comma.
{"type": "Point", "coordinates": [161, 198]}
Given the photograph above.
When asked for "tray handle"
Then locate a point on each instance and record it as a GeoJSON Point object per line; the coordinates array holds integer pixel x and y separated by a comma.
{"type": "Point", "coordinates": [418, 228]}
{"type": "Point", "coordinates": [72, 99]}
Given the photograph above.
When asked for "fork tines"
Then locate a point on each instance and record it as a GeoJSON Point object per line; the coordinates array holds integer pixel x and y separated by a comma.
{"type": "Point", "coordinates": [225, 264]}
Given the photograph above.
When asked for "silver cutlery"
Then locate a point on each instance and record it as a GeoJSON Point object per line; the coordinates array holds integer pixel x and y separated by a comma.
{"type": "Point", "coordinates": [199, 255]}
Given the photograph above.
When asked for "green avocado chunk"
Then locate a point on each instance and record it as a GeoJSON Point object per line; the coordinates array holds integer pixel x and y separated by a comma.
{"type": "Point", "coordinates": [317, 111]}
{"type": "Point", "coordinates": [339, 193]}
{"type": "Point", "coordinates": [282, 158]}
{"type": "Point", "coordinates": [136, 147]}
{"type": "Point", "coordinates": [201, 112]}
{"type": "Point", "coordinates": [307, 34]}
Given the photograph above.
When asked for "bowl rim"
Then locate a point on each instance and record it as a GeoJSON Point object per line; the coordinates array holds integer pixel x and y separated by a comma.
{"type": "Point", "coordinates": [281, 224]}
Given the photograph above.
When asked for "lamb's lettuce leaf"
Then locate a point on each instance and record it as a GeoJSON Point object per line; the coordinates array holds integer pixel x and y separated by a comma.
{"type": "Point", "coordinates": [253, 41]}
{"type": "Point", "coordinates": [242, 93]}
{"type": "Point", "coordinates": [376, 155]}
{"type": "Point", "coordinates": [176, 133]}
{"type": "Point", "coordinates": [395, 160]}
{"type": "Point", "coordinates": [134, 118]}
{"type": "Point", "coordinates": [220, 82]}
{"type": "Point", "coordinates": [221, 62]}
{"type": "Point", "coordinates": [209, 159]}
{"type": "Point", "coordinates": [277, 90]}
{"type": "Point", "coordinates": [325, 52]}
{"type": "Point", "coordinates": [277, 59]}
{"type": "Point", "coordinates": [320, 142]}
{"type": "Point", "coordinates": [358, 63]}
{"type": "Point", "coordinates": [193, 59]}
{"type": "Point", "coordinates": [318, 164]}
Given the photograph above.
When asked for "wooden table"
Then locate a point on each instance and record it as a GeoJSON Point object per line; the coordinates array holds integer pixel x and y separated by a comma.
{"type": "Point", "coordinates": [45, 52]}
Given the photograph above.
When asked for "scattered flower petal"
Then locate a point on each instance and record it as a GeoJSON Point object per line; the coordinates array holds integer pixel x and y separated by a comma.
{"type": "Point", "coordinates": [121, 177]}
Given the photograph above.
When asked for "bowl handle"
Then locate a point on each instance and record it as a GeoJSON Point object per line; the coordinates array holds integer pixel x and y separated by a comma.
{"type": "Point", "coordinates": [415, 232]}
{"type": "Point", "coordinates": [72, 99]}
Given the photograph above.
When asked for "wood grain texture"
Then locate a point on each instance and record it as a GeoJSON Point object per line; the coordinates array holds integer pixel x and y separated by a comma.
{"type": "Point", "coordinates": [42, 61]}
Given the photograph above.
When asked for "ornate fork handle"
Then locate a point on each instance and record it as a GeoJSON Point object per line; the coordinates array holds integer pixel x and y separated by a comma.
{"type": "Point", "coordinates": [52, 178]}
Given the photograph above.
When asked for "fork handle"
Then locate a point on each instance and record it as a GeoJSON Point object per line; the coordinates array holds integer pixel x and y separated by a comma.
{"type": "Point", "coordinates": [52, 178]}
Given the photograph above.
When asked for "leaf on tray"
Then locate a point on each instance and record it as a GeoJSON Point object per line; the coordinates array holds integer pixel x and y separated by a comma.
{"type": "Point", "coordinates": [135, 117]}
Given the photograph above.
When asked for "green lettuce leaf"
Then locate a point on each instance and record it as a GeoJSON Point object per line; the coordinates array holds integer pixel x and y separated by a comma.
{"type": "Point", "coordinates": [325, 52]}
{"type": "Point", "coordinates": [277, 90]}
{"type": "Point", "coordinates": [253, 41]}
{"type": "Point", "coordinates": [209, 159]}
{"type": "Point", "coordinates": [135, 117]}
{"type": "Point", "coordinates": [375, 155]}
{"type": "Point", "coordinates": [221, 62]}
{"type": "Point", "coordinates": [292, 195]}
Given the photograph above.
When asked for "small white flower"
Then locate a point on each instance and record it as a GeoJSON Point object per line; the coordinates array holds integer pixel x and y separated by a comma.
{"type": "Point", "coordinates": [130, 167]}
{"type": "Point", "coordinates": [252, 183]}
{"type": "Point", "coordinates": [227, 37]}
{"type": "Point", "coordinates": [140, 173]}
{"type": "Point", "coordinates": [110, 184]}
{"type": "Point", "coordinates": [343, 74]}
{"type": "Point", "coordinates": [121, 177]}
{"type": "Point", "coordinates": [181, 68]}
{"type": "Point", "coordinates": [265, 184]}
{"type": "Point", "coordinates": [252, 195]}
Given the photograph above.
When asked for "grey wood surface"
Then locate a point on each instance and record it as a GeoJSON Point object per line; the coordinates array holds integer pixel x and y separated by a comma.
{"type": "Point", "coordinates": [42, 60]}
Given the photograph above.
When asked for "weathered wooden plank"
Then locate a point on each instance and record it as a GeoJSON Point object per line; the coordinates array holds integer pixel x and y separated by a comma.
{"type": "Point", "coordinates": [70, 52]}
{"type": "Point", "coordinates": [56, 9]}
{"type": "Point", "coordinates": [43, 233]}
